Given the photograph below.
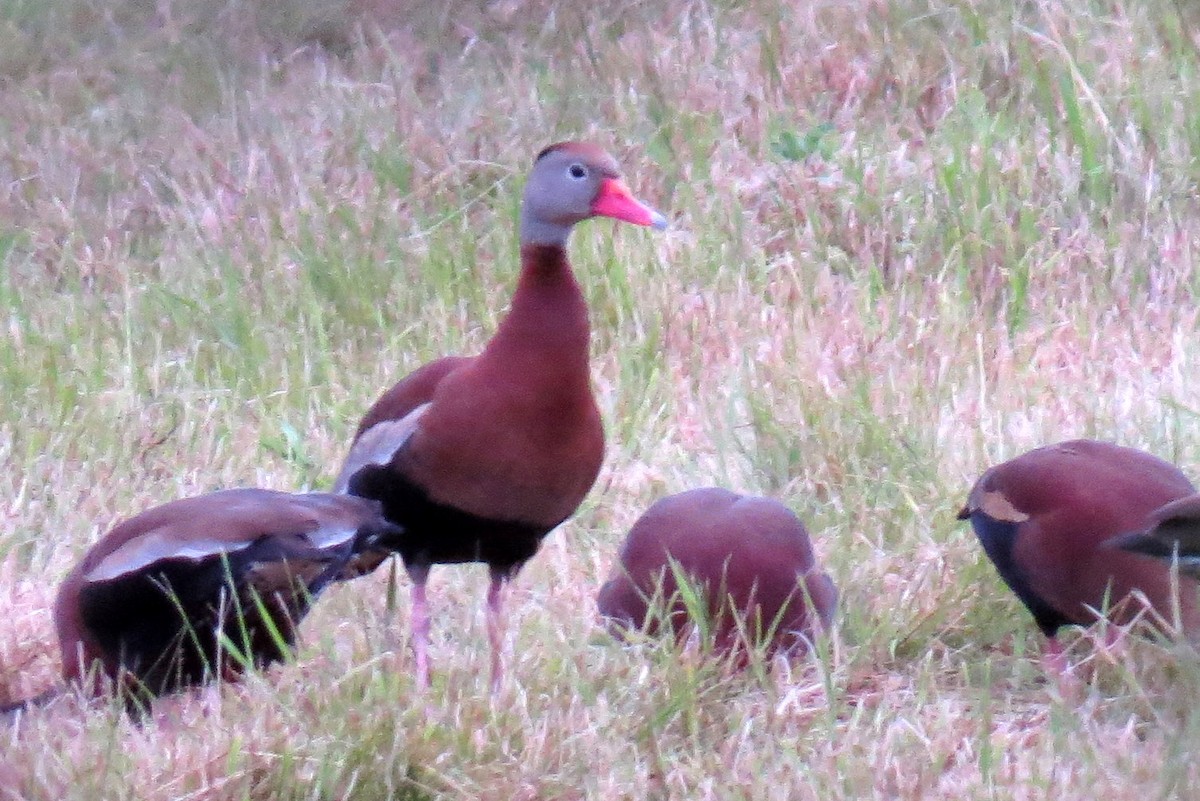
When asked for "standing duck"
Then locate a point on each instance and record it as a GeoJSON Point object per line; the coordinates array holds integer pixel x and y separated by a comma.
{"type": "Point", "coordinates": [745, 555]}
{"type": "Point", "coordinates": [1044, 518]}
{"type": "Point", "coordinates": [479, 458]}
{"type": "Point", "coordinates": [206, 587]}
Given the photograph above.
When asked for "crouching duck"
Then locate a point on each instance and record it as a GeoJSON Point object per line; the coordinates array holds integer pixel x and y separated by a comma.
{"type": "Point", "coordinates": [748, 560]}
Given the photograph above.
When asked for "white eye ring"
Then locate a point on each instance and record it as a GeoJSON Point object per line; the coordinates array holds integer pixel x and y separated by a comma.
{"type": "Point", "coordinates": [577, 171]}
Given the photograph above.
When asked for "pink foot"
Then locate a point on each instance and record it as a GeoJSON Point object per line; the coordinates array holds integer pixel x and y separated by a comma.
{"type": "Point", "coordinates": [495, 627]}
{"type": "Point", "coordinates": [420, 621]}
{"type": "Point", "coordinates": [1054, 662]}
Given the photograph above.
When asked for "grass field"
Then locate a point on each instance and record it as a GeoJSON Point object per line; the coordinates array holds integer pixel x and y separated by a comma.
{"type": "Point", "coordinates": [910, 239]}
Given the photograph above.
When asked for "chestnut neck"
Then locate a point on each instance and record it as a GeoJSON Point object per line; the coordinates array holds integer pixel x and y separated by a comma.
{"type": "Point", "coordinates": [546, 328]}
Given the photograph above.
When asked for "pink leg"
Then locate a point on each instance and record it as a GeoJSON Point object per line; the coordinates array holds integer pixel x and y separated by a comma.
{"type": "Point", "coordinates": [495, 625]}
{"type": "Point", "coordinates": [1114, 638]}
{"type": "Point", "coordinates": [1054, 660]}
{"type": "Point", "coordinates": [420, 624]}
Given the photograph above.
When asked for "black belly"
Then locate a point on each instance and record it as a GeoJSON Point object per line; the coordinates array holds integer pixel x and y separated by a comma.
{"type": "Point", "coordinates": [182, 622]}
{"type": "Point", "coordinates": [998, 538]}
{"type": "Point", "coordinates": [435, 533]}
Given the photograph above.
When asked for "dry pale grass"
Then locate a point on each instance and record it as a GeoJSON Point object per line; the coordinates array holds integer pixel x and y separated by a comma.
{"type": "Point", "coordinates": [910, 239]}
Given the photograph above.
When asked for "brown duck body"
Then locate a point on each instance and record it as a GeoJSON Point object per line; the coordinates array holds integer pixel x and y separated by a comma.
{"type": "Point", "coordinates": [504, 446]}
{"type": "Point", "coordinates": [750, 557]}
{"type": "Point", "coordinates": [1044, 519]}
{"type": "Point", "coordinates": [151, 602]}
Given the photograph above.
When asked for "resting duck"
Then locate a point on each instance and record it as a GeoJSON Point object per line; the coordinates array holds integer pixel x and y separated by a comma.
{"type": "Point", "coordinates": [746, 555]}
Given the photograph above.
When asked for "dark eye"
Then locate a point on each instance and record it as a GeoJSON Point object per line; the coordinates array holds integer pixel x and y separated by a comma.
{"type": "Point", "coordinates": [578, 171]}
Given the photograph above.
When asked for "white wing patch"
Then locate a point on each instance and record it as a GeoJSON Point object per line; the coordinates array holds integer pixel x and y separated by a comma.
{"type": "Point", "coordinates": [331, 536]}
{"type": "Point", "coordinates": [141, 552]}
{"type": "Point", "coordinates": [378, 444]}
{"type": "Point", "coordinates": [998, 507]}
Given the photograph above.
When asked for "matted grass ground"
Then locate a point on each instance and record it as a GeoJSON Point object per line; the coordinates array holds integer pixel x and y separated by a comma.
{"type": "Point", "coordinates": [910, 239]}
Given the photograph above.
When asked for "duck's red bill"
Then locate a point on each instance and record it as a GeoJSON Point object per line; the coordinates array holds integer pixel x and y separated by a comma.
{"type": "Point", "coordinates": [615, 200]}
